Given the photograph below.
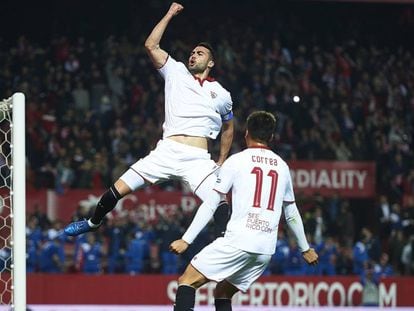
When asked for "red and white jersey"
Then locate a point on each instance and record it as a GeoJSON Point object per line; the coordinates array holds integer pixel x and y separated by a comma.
{"type": "Point", "coordinates": [193, 107]}
{"type": "Point", "coordinates": [260, 182]}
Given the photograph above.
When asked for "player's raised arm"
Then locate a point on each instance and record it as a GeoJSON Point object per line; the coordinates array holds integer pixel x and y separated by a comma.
{"type": "Point", "coordinates": [152, 44]}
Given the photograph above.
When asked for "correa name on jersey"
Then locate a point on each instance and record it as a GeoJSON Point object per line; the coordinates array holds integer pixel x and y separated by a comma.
{"type": "Point", "coordinates": [264, 160]}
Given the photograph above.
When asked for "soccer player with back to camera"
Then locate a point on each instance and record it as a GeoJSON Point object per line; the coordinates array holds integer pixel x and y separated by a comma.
{"type": "Point", "coordinates": [196, 109]}
{"type": "Point", "coordinates": [261, 187]}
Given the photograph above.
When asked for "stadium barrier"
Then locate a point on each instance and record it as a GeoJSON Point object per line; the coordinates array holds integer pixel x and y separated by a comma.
{"type": "Point", "coordinates": [81, 289]}
{"type": "Point", "coordinates": [198, 308]}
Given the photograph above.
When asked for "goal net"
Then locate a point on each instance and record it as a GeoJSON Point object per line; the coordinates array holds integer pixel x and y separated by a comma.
{"type": "Point", "coordinates": [12, 203]}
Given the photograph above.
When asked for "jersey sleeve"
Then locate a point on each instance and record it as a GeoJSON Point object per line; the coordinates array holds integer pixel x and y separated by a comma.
{"type": "Point", "coordinates": [289, 194]}
{"type": "Point", "coordinates": [295, 223]}
{"type": "Point", "coordinates": [170, 67]}
{"type": "Point", "coordinates": [226, 109]}
{"type": "Point", "coordinates": [204, 213]}
{"type": "Point", "coordinates": [226, 176]}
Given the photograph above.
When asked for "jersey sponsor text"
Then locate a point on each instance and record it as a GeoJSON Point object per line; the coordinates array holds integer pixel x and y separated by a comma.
{"type": "Point", "coordinates": [255, 223]}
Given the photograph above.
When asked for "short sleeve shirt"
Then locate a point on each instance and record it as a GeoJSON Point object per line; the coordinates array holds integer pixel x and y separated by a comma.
{"type": "Point", "coordinates": [193, 107]}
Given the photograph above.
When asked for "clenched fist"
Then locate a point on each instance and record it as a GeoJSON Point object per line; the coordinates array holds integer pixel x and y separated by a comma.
{"type": "Point", "coordinates": [310, 256]}
{"type": "Point", "coordinates": [175, 8]}
{"type": "Point", "coordinates": [178, 246]}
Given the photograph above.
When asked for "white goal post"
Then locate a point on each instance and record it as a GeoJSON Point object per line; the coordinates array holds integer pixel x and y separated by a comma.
{"type": "Point", "coordinates": [13, 201]}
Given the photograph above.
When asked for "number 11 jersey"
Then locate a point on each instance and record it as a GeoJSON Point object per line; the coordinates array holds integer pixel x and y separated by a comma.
{"type": "Point", "coordinates": [260, 182]}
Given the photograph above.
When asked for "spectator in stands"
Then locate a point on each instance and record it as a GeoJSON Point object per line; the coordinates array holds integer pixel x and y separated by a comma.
{"type": "Point", "coordinates": [294, 264]}
{"type": "Point", "coordinates": [168, 230]}
{"type": "Point", "coordinates": [384, 217]}
{"type": "Point", "coordinates": [396, 246]}
{"type": "Point", "coordinates": [360, 255]}
{"type": "Point", "coordinates": [383, 268]}
{"type": "Point", "coordinates": [116, 231]}
{"type": "Point", "coordinates": [92, 255]}
{"type": "Point", "coordinates": [65, 175]}
{"type": "Point", "coordinates": [279, 259]}
{"type": "Point", "coordinates": [316, 225]}
{"type": "Point", "coordinates": [408, 221]}
{"type": "Point", "coordinates": [370, 284]}
{"type": "Point", "coordinates": [328, 254]}
{"type": "Point", "coordinates": [136, 254]}
{"type": "Point", "coordinates": [42, 220]}
{"type": "Point", "coordinates": [81, 98]}
{"type": "Point", "coordinates": [332, 206]}
{"type": "Point", "coordinates": [345, 224]}
{"type": "Point", "coordinates": [395, 217]}
{"type": "Point", "coordinates": [31, 257]}
{"type": "Point", "coordinates": [372, 244]}
{"type": "Point", "coordinates": [345, 261]}
{"type": "Point", "coordinates": [52, 255]}
{"type": "Point", "coordinates": [407, 257]}
{"type": "Point", "coordinates": [34, 231]}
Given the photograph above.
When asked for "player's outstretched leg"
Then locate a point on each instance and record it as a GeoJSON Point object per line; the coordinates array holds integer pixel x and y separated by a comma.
{"type": "Point", "coordinates": [221, 217]}
{"type": "Point", "coordinates": [104, 206]}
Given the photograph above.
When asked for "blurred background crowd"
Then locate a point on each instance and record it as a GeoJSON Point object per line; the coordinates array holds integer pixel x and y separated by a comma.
{"type": "Point", "coordinates": [95, 105]}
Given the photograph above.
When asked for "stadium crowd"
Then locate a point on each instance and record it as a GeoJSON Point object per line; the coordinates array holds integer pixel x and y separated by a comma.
{"type": "Point", "coordinates": [95, 105]}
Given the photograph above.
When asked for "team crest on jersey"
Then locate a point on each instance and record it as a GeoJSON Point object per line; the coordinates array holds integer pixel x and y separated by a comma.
{"type": "Point", "coordinates": [213, 95]}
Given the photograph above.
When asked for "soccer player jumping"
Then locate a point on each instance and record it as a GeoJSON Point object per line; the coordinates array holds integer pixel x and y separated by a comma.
{"type": "Point", "coordinates": [196, 108]}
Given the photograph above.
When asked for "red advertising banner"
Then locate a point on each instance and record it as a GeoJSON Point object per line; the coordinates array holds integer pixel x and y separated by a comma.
{"type": "Point", "coordinates": [148, 204]}
{"type": "Point", "coordinates": [349, 179]}
{"type": "Point", "coordinates": [160, 290]}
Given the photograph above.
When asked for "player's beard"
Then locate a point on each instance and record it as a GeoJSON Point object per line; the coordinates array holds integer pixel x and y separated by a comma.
{"type": "Point", "coordinates": [197, 69]}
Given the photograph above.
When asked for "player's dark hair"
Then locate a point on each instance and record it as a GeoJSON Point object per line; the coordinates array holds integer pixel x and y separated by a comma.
{"type": "Point", "coordinates": [261, 126]}
{"type": "Point", "coordinates": [208, 47]}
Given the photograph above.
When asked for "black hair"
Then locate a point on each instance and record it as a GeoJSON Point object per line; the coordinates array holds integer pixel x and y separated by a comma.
{"type": "Point", "coordinates": [261, 126]}
{"type": "Point", "coordinates": [208, 47]}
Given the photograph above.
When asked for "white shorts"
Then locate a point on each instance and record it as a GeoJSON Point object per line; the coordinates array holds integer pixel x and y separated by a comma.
{"type": "Point", "coordinates": [172, 160]}
{"type": "Point", "coordinates": [220, 261]}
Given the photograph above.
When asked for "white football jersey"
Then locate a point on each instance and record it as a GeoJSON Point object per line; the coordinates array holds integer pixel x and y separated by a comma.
{"type": "Point", "coordinates": [192, 107]}
{"type": "Point", "coordinates": [260, 182]}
